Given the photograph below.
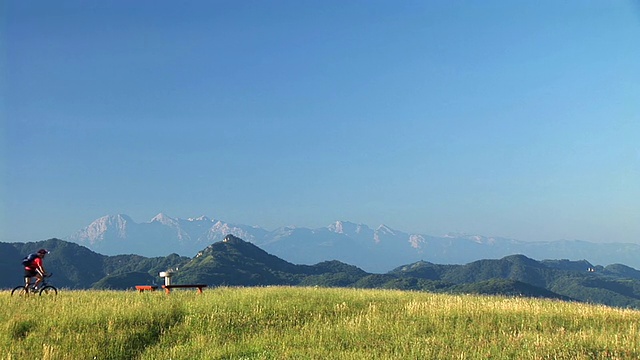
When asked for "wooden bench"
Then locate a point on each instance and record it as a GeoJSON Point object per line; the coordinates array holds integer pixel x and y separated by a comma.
{"type": "Point", "coordinates": [167, 288]}
{"type": "Point", "coordinates": [142, 288]}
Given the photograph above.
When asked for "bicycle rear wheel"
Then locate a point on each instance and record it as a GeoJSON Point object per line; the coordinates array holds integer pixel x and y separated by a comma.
{"type": "Point", "coordinates": [19, 291]}
{"type": "Point", "coordinates": [48, 291]}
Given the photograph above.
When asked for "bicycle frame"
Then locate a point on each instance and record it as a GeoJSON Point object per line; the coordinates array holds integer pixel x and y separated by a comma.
{"type": "Point", "coordinates": [44, 288]}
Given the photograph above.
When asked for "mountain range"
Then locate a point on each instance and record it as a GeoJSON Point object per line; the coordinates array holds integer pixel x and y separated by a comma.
{"type": "Point", "coordinates": [375, 250]}
{"type": "Point", "coordinates": [235, 262]}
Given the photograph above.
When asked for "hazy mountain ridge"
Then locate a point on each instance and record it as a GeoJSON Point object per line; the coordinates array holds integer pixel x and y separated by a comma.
{"type": "Point", "coordinates": [235, 262]}
{"type": "Point", "coordinates": [375, 250]}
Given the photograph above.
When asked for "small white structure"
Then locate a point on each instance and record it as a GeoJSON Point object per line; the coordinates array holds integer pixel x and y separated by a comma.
{"type": "Point", "coordinates": [167, 276]}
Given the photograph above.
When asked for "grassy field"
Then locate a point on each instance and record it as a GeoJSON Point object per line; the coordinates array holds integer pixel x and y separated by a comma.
{"type": "Point", "coordinates": [310, 323]}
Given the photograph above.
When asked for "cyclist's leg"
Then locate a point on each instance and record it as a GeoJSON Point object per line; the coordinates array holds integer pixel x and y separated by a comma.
{"type": "Point", "coordinates": [39, 279]}
{"type": "Point", "coordinates": [28, 274]}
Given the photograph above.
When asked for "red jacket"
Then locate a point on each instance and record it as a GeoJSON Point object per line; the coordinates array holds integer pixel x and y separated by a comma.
{"type": "Point", "coordinates": [35, 264]}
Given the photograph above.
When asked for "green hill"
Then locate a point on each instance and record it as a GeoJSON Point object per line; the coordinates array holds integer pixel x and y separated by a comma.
{"type": "Point", "coordinates": [76, 267]}
{"type": "Point", "coordinates": [235, 262]}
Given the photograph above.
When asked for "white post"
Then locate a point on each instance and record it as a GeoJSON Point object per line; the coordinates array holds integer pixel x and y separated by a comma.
{"type": "Point", "coordinates": [167, 276]}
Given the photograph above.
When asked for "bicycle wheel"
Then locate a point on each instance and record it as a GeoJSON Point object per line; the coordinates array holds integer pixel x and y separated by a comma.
{"type": "Point", "coordinates": [48, 291]}
{"type": "Point", "coordinates": [19, 291]}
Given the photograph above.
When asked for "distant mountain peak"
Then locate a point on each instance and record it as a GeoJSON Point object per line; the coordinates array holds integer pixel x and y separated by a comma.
{"type": "Point", "coordinates": [337, 227]}
{"type": "Point", "coordinates": [341, 227]}
{"type": "Point", "coordinates": [114, 218]}
{"type": "Point", "coordinates": [385, 229]}
{"type": "Point", "coordinates": [417, 241]}
{"type": "Point", "coordinates": [347, 227]}
{"type": "Point", "coordinates": [373, 249]}
{"type": "Point", "coordinates": [96, 231]}
{"type": "Point", "coordinates": [475, 238]}
{"type": "Point", "coordinates": [163, 219]}
{"type": "Point", "coordinates": [201, 218]}
{"type": "Point", "coordinates": [454, 235]}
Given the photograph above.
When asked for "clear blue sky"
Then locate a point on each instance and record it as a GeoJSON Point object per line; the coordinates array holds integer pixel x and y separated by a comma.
{"type": "Point", "coordinates": [518, 119]}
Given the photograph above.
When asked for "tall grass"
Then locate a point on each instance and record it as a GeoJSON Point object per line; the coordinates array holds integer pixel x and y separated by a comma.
{"type": "Point", "coordinates": [310, 323]}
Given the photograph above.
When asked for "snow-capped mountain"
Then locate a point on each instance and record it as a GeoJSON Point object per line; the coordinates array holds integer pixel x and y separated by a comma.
{"type": "Point", "coordinates": [163, 235]}
{"type": "Point", "coordinates": [374, 250]}
{"type": "Point", "coordinates": [104, 228]}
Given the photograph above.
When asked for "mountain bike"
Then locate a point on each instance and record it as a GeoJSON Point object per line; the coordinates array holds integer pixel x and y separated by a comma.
{"type": "Point", "coordinates": [43, 290]}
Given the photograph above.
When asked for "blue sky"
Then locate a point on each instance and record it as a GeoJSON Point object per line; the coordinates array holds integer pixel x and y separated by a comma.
{"type": "Point", "coordinates": [500, 118]}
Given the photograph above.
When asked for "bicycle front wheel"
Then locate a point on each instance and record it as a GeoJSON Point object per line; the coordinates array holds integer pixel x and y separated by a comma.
{"type": "Point", "coordinates": [19, 291]}
{"type": "Point", "coordinates": [48, 291]}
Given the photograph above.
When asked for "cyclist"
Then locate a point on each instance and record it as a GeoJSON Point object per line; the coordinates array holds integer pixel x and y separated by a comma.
{"type": "Point", "coordinates": [36, 269]}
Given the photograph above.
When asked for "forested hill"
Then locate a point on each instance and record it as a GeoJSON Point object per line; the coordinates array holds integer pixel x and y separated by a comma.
{"type": "Point", "coordinates": [234, 262]}
{"type": "Point", "coordinates": [76, 267]}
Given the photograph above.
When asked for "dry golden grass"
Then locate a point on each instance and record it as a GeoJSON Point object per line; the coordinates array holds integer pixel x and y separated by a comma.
{"type": "Point", "coordinates": [311, 323]}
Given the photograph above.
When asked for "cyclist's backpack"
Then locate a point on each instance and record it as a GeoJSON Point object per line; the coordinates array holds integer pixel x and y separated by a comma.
{"type": "Point", "coordinates": [29, 259]}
